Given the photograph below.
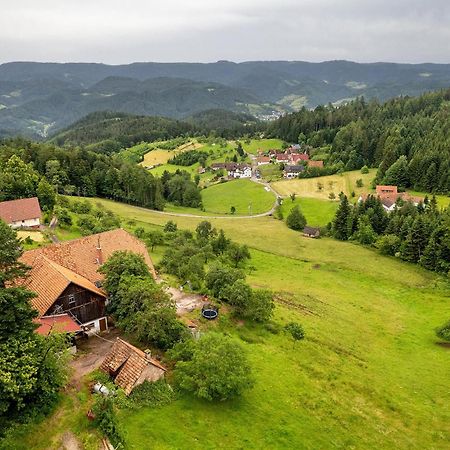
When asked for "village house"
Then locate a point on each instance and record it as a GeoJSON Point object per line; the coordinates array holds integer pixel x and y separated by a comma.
{"type": "Point", "coordinates": [292, 171]}
{"type": "Point", "coordinates": [282, 158]}
{"type": "Point", "coordinates": [294, 148]}
{"type": "Point", "coordinates": [234, 170]}
{"type": "Point", "coordinates": [22, 213]}
{"type": "Point", "coordinates": [129, 366]}
{"type": "Point", "coordinates": [318, 164]}
{"type": "Point", "coordinates": [66, 280]}
{"type": "Point", "coordinates": [261, 160]}
{"type": "Point", "coordinates": [296, 157]}
{"type": "Point", "coordinates": [389, 197]}
{"type": "Point", "coordinates": [312, 232]}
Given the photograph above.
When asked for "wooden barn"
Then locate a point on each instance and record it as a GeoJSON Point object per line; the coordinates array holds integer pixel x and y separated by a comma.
{"type": "Point", "coordinates": [66, 280]}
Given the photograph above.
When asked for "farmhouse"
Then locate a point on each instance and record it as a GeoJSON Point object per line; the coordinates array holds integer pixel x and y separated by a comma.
{"type": "Point", "coordinates": [389, 197]}
{"type": "Point", "coordinates": [261, 160]}
{"type": "Point", "coordinates": [282, 158]}
{"type": "Point", "coordinates": [292, 171]}
{"type": "Point", "coordinates": [25, 213]}
{"type": "Point", "coordinates": [129, 366]}
{"type": "Point", "coordinates": [240, 171]}
{"type": "Point", "coordinates": [66, 280]}
{"type": "Point", "coordinates": [296, 157]}
{"type": "Point", "coordinates": [312, 232]}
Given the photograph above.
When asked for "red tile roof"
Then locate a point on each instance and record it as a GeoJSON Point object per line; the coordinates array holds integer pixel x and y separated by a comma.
{"type": "Point", "coordinates": [49, 280]}
{"type": "Point", "coordinates": [22, 209]}
{"type": "Point", "coordinates": [128, 363]}
{"type": "Point", "coordinates": [61, 323]}
{"type": "Point", "coordinates": [82, 255]}
{"type": "Point", "coordinates": [299, 157]}
{"type": "Point", "coordinates": [56, 266]}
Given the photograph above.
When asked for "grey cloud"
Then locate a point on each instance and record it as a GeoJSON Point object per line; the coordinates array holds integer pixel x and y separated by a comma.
{"type": "Point", "coordinates": [115, 31]}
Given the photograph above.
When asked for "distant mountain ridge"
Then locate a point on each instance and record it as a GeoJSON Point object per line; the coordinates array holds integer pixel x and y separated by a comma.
{"type": "Point", "coordinates": [37, 99]}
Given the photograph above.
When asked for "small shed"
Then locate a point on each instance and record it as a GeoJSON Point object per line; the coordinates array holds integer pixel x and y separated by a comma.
{"type": "Point", "coordinates": [129, 366]}
{"type": "Point", "coordinates": [312, 232]}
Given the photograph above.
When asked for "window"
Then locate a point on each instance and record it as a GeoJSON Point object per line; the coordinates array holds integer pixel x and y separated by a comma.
{"type": "Point", "coordinates": [71, 299]}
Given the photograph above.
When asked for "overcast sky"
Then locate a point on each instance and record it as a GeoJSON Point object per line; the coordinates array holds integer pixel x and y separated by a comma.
{"type": "Point", "coordinates": [123, 31]}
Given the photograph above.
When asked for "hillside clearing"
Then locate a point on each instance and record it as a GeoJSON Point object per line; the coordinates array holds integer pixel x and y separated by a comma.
{"type": "Point", "coordinates": [309, 187]}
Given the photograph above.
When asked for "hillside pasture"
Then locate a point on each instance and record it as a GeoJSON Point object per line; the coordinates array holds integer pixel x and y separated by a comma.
{"type": "Point", "coordinates": [317, 212]}
{"type": "Point", "coordinates": [309, 187]}
{"type": "Point", "coordinates": [368, 374]}
{"type": "Point", "coordinates": [262, 144]}
{"type": "Point", "coordinates": [246, 196]}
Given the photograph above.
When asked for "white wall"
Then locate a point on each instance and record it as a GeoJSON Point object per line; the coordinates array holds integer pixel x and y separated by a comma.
{"type": "Point", "coordinates": [26, 223]}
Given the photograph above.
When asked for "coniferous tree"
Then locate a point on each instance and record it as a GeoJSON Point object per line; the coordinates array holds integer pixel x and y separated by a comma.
{"type": "Point", "coordinates": [342, 224]}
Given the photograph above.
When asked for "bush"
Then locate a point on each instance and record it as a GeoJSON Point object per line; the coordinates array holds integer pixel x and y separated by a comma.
{"type": "Point", "coordinates": [151, 394]}
{"type": "Point", "coordinates": [215, 367]}
{"type": "Point", "coordinates": [296, 220]}
{"type": "Point", "coordinates": [295, 330]}
{"type": "Point", "coordinates": [443, 332]}
{"type": "Point", "coordinates": [389, 244]}
{"type": "Point", "coordinates": [364, 169]}
{"type": "Point", "coordinates": [106, 420]}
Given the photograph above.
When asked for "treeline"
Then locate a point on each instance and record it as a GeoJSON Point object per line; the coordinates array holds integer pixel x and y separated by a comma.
{"type": "Point", "coordinates": [109, 132]}
{"type": "Point", "coordinates": [188, 158]}
{"type": "Point", "coordinates": [418, 234]}
{"type": "Point", "coordinates": [81, 172]}
{"type": "Point", "coordinates": [408, 139]}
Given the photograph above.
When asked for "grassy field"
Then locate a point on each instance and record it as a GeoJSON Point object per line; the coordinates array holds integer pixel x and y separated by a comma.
{"type": "Point", "coordinates": [245, 195]}
{"type": "Point", "coordinates": [308, 187]}
{"type": "Point", "coordinates": [368, 375]}
{"type": "Point", "coordinates": [317, 212]}
{"type": "Point", "coordinates": [262, 144]}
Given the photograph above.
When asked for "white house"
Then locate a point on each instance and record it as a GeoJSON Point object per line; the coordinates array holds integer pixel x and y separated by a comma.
{"type": "Point", "coordinates": [292, 171]}
{"type": "Point", "coordinates": [22, 213]}
{"type": "Point", "coordinates": [240, 171]}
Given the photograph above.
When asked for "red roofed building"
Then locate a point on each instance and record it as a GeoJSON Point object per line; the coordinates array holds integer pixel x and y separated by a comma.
{"type": "Point", "coordinates": [129, 366]}
{"type": "Point", "coordinates": [282, 158]}
{"type": "Point", "coordinates": [66, 280]}
{"type": "Point", "coordinates": [389, 197]}
{"type": "Point", "coordinates": [296, 157]}
{"type": "Point", "coordinates": [318, 164]}
{"type": "Point", "coordinates": [261, 160]}
{"type": "Point", "coordinates": [61, 323]}
{"type": "Point", "coordinates": [24, 212]}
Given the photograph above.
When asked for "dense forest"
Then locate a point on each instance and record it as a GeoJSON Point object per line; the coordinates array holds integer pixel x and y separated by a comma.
{"type": "Point", "coordinates": [77, 171]}
{"type": "Point", "coordinates": [417, 234]}
{"type": "Point", "coordinates": [109, 132]}
{"type": "Point", "coordinates": [408, 139]}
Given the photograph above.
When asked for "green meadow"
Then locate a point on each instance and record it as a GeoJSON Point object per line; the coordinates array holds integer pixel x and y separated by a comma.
{"type": "Point", "coordinates": [262, 144]}
{"type": "Point", "coordinates": [317, 212]}
{"type": "Point", "coordinates": [245, 195]}
{"type": "Point", "coordinates": [368, 375]}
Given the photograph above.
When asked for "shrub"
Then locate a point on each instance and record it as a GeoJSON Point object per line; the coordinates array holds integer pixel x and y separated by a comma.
{"type": "Point", "coordinates": [296, 220]}
{"type": "Point", "coordinates": [295, 330]}
{"type": "Point", "coordinates": [151, 394]}
{"type": "Point", "coordinates": [364, 169]}
{"type": "Point", "coordinates": [443, 332]}
{"type": "Point", "coordinates": [106, 420]}
{"type": "Point", "coordinates": [215, 367]}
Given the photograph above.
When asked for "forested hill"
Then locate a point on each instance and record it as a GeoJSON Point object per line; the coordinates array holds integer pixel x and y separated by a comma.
{"type": "Point", "coordinates": [407, 138]}
{"type": "Point", "coordinates": [37, 99]}
{"type": "Point", "coordinates": [108, 132]}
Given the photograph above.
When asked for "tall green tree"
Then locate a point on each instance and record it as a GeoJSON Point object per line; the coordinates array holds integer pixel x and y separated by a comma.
{"type": "Point", "coordinates": [342, 223]}
{"type": "Point", "coordinates": [295, 219]}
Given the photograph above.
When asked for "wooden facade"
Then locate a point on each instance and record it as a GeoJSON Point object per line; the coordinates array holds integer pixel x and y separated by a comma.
{"type": "Point", "coordinates": [86, 306]}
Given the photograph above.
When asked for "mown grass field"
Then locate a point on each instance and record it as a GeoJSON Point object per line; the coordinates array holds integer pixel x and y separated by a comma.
{"type": "Point", "coordinates": [262, 144]}
{"type": "Point", "coordinates": [369, 374]}
{"type": "Point", "coordinates": [317, 212]}
{"type": "Point", "coordinates": [308, 187]}
{"type": "Point", "coordinates": [245, 195]}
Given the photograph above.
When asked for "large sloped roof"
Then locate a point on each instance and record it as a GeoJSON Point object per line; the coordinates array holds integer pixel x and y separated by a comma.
{"type": "Point", "coordinates": [49, 280]}
{"type": "Point", "coordinates": [22, 209]}
{"type": "Point", "coordinates": [82, 255]}
{"type": "Point", "coordinates": [55, 266]}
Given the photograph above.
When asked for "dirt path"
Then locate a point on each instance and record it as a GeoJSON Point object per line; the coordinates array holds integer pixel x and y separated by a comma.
{"type": "Point", "coordinates": [186, 302]}
{"type": "Point", "coordinates": [91, 353]}
{"type": "Point", "coordinates": [70, 442]}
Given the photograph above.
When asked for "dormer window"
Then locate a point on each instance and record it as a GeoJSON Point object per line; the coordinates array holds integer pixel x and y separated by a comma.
{"type": "Point", "coordinates": [71, 299]}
